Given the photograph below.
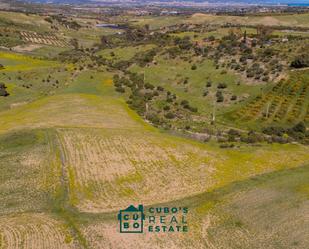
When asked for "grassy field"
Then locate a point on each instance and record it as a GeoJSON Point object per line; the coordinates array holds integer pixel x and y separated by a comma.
{"type": "Point", "coordinates": [124, 53]}
{"type": "Point", "coordinates": [171, 74]}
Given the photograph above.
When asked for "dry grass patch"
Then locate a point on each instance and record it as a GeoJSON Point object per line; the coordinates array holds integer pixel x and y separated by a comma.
{"type": "Point", "coordinates": [264, 212]}
{"type": "Point", "coordinates": [111, 168]}
{"type": "Point", "coordinates": [30, 231]}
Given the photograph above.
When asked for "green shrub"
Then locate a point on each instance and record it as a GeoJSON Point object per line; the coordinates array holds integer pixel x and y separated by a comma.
{"type": "Point", "coordinates": [222, 86]}
{"type": "Point", "coordinates": [300, 61]}
{"type": "Point", "coordinates": [234, 97]}
{"type": "Point", "coordinates": [219, 96]}
{"type": "Point", "coordinates": [3, 91]}
{"type": "Point", "coordinates": [170, 115]}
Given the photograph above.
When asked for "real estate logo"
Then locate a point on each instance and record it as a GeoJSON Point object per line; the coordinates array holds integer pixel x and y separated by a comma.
{"type": "Point", "coordinates": [158, 219]}
{"type": "Point", "coordinates": [131, 219]}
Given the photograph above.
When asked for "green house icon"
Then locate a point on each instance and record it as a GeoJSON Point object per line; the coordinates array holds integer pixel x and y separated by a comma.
{"type": "Point", "coordinates": [131, 219]}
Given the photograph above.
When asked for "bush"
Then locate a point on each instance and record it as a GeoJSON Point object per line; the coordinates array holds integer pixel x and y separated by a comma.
{"type": "Point", "coordinates": [149, 86]}
{"type": "Point", "coordinates": [193, 109]}
{"type": "Point", "coordinates": [234, 97]}
{"type": "Point", "coordinates": [254, 137]}
{"type": "Point", "coordinates": [138, 104]}
{"type": "Point", "coordinates": [274, 130]}
{"type": "Point", "coordinates": [170, 115]}
{"type": "Point", "coordinates": [153, 118]}
{"type": "Point", "coordinates": [166, 108]}
{"type": "Point", "coordinates": [211, 38]}
{"type": "Point", "coordinates": [173, 52]}
{"type": "Point", "coordinates": [232, 135]}
{"type": "Point", "coordinates": [268, 52]}
{"type": "Point", "coordinates": [184, 102]}
{"type": "Point", "coordinates": [3, 91]}
{"type": "Point", "coordinates": [226, 146]}
{"type": "Point", "coordinates": [222, 86]}
{"type": "Point", "coordinates": [120, 89]}
{"type": "Point", "coordinates": [280, 140]}
{"type": "Point", "coordinates": [183, 43]}
{"type": "Point", "coordinates": [300, 127]}
{"type": "Point", "coordinates": [160, 88]}
{"type": "Point", "coordinates": [243, 59]}
{"type": "Point", "coordinates": [193, 67]}
{"type": "Point", "coordinates": [234, 132]}
{"type": "Point", "coordinates": [300, 61]}
{"type": "Point", "coordinates": [250, 74]}
{"type": "Point", "coordinates": [219, 96]}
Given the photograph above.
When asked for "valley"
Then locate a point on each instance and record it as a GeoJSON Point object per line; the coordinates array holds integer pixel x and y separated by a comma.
{"type": "Point", "coordinates": [203, 111]}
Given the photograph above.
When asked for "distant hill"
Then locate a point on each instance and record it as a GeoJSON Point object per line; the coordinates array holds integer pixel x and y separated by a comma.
{"type": "Point", "coordinates": [287, 2]}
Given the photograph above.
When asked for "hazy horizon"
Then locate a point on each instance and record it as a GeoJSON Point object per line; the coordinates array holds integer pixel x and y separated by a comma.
{"type": "Point", "coordinates": [197, 1]}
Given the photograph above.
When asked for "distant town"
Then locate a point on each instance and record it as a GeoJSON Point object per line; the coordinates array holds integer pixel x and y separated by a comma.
{"type": "Point", "coordinates": [157, 7]}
